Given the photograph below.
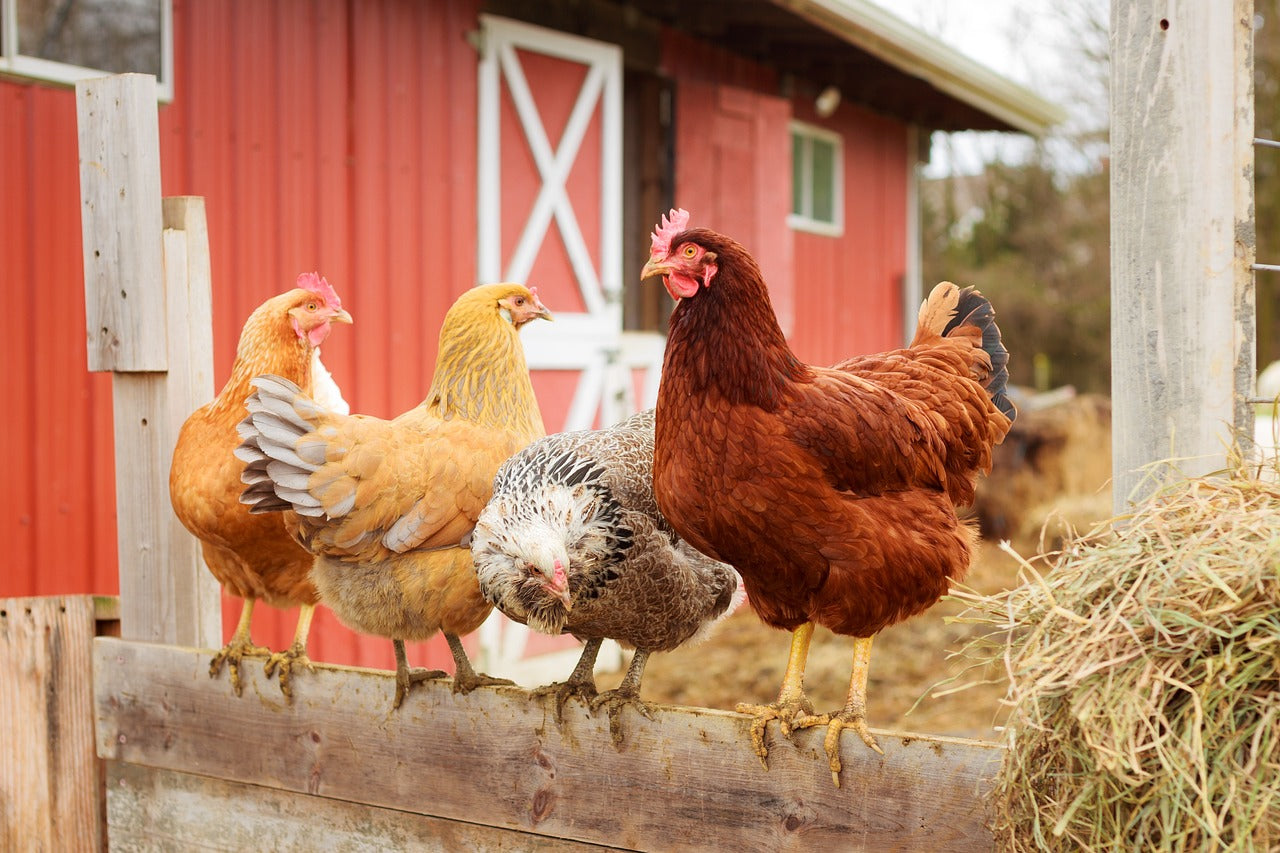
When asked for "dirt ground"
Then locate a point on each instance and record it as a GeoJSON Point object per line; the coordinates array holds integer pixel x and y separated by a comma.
{"type": "Point", "coordinates": [744, 661]}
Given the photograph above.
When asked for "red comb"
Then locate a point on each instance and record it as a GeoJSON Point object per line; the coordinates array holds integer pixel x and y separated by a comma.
{"type": "Point", "coordinates": [320, 286]}
{"type": "Point", "coordinates": [670, 226]}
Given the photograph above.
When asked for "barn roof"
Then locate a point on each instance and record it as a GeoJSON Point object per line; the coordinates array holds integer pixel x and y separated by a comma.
{"type": "Point", "coordinates": [871, 55]}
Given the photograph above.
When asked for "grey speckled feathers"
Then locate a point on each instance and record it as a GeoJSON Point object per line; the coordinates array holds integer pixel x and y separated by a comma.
{"type": "Point", "coordinates": [572, 541]}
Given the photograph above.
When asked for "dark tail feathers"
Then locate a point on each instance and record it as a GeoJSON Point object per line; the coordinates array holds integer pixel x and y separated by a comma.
{"type": "Point", "coordinates": [975, 310]}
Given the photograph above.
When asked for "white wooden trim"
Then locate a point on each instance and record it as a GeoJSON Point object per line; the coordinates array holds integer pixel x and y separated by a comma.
{"type": "Point", "coordinates": [803, 222]}
{"type": "Point", "coordinates": [21, 65]}
{"type": "Point", "coordinates": [912, 283]}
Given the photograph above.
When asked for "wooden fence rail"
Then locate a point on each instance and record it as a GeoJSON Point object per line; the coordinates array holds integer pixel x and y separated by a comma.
{"type": "Point", "coordinates": [232, 773]}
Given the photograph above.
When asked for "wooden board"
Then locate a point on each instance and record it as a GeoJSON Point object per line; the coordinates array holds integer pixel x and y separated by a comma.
{"type": "Point", "coordinates": [687, 780]}
{"type": "Point", "coordinates": [163, 810]}
{"type": "Point", "coordinates": [119, 136]}
{"type": "Point", "coordinates": [1182, 238]}
{"type": "Point", "coordinates": [50, 792]}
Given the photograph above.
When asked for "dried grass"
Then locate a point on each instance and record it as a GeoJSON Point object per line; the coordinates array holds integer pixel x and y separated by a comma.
{"type": "Point", "coordinates": [1143, 661]}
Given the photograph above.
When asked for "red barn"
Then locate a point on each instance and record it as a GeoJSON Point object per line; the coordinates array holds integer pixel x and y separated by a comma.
{"type": "Point", "coordinates": [409, 149]}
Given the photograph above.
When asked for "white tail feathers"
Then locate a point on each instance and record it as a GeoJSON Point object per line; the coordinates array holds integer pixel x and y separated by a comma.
{"type": "Point", "coordinates": [938, 309]}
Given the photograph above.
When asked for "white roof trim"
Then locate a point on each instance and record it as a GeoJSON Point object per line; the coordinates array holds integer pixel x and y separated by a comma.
{"type": "Point", "coordinates": [892, 40]}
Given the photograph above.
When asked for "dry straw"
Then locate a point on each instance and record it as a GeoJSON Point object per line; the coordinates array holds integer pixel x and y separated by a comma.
{"type": "Point", "coordinates": [1143, 661]}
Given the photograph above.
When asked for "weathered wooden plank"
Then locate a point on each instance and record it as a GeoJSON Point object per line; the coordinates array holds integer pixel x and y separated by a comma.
{"type": "Point", "coordinates": [162, 810]}
{"type": "Point", "coordinates": [50, 790]}
{"type": "Point", "coordinates": [1182, 235]}
{"type": "Point", "coordinates": [195, 595]}
{"type": "Point", "coordinates": [166, 594]}
{"type": "Point", "coordinates": [119, 137]}
{"type": "Point", "coordinates": [687, 780]}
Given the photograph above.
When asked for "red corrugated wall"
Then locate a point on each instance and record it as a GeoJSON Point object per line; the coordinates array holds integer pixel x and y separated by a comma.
{"type": "Point", "coordinates": [334, 135]}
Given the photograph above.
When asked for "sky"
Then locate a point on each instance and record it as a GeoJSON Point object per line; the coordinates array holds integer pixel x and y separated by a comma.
{"type": "Point", "coordinates": [1032, 42]}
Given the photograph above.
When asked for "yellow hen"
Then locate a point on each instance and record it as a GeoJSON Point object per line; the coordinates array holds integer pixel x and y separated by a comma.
{"type": "Point", "coordinates": [385, 505]}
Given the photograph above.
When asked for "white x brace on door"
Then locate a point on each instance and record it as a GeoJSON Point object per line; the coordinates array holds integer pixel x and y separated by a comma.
{"type": "Point", "coordinates": [588, 341]}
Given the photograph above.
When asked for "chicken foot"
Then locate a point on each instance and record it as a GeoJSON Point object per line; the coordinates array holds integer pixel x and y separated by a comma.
{"type": "Point", "coordinates": [296, 655]}
{"type": "Point", "coordinates": [406, 677]}
{"type": "Point", "coordinates": [581, 682]}
{"type": "Point", "coordinates": [852, 716]}
{"type": "Point", "coordinates": [240, 647]}
{"type": "Point", "coordinates": [465, 678]}
{"type": "Point", "coordinates": [792, 704]}
{"type": "Point", "coordinates": [627, 693]}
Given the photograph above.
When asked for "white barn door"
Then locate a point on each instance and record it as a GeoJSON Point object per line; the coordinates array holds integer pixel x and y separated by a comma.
{"type": "Point", "coordinates": [550, 215]}
{"type": "Point", "coordinates": [550, 202]}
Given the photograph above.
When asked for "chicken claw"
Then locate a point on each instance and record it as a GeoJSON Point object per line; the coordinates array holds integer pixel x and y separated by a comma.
{"type": "Point", "coordinates": [563, 691]}
{"type": "Point", "coordinates": [283, 663]}
{"type": "Point", "coordinates": [296, 654]}
{"type": "Point", "coordinates": [465, 678]}
{"type": "Point", "coordinates": [613, 701]}
{"type": "Point", "coordinates": [792, 704]}
{"type": "Point", "coordinates": [406, 678]}
{"type": "Point", "coordinates": [786, 711]}
{"type": "Point", "coordinates": [240, 647]}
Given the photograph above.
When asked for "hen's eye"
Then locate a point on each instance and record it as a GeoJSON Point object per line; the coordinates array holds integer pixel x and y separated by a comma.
{"type": "Point", "coordinates": [311, 306]}
{"type": "Point", "coordinates": [519, 300]}
{"type": "Point", "coordinates": [690, 251]}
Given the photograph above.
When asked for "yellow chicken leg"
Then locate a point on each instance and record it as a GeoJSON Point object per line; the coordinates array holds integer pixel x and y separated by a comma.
{"type": "Point", "coordinates": [240, 647]}
{"type": "Point", "coordinates": [283, 662]}
{"type": "Point", "coordinates": [852, 716]}
{"type": "Point", "coordinates": [792, 704]}
{"type": "Point", "coordinates": [627, 693]}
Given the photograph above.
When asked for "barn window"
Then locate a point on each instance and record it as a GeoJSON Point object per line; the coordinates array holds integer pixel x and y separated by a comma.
{"type": "Point", "coordinates": [817, 203]}
{"type": "Point", "coordinates": [67, 40]}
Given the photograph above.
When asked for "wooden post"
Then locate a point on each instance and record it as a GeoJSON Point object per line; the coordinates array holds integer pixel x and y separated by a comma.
{"type": "Point", "coordinates": [158, 345]}
{"type": "Point", "coordinates": [1182, 236]}
{"type": "Point", "coordinates": [50, 788]}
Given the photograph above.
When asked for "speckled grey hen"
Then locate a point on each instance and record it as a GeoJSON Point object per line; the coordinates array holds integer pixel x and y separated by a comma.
{"type": "Point", "coordinates": [572, 542]}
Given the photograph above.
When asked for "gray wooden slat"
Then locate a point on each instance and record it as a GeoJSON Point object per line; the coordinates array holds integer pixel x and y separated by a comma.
{"type": "Point", "coordinates": [119, 138]}
{"type": "Point", "coordinates": [155, 811]}
{"type": "Point", "coordinates": [687, 780]}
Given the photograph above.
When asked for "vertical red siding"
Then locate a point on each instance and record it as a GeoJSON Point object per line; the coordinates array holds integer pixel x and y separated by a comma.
{"type": "Point", "coordinates": [849, 288]}
{"type": "Point", "coordinates": [322, 135]}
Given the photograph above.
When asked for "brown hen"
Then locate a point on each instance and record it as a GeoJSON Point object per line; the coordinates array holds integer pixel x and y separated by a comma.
{"type": "Point", "coordinates": [833, 491]}
{"type": "Point", "coordinates": [253, 557]}
{"type": "Point", "coordinates": [385, 505]}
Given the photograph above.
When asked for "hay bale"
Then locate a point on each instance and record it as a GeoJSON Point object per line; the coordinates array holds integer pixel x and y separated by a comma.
{"type": "Point", "coordinates": [1052, 454]}
{"type": "Point", "coordinates": [1144, 703]}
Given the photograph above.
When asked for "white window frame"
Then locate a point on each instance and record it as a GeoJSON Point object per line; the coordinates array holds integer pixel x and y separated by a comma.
{"type": "Point", "coordinates": [805, 222]}
{"type": "Point", "coordinates": [15, 64]}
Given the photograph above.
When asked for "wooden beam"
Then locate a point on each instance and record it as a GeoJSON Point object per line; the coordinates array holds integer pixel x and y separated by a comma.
{"type": "Point", "coordinates": [687, 780]}
{"type": "Point", "coordinates": [50, 789]}
{"type": "Point", "coordinates": [189, 812]}
{"type": "Point", "coordinates": [1182, 236]}
{"type": "Point", "coordinates": [119, 138]}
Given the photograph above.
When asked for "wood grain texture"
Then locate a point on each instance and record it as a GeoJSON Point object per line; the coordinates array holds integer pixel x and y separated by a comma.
{"type": "Point", "coordinates": [50, 791]}
{"type": "Point", "coordinates": [120, 216]}
{"type": "Point", "coordinates": [685, 781]}
{"type": "Point", "coordinates": [1182, 235]}
{"type": "Point", "coordinates": [163, 810]}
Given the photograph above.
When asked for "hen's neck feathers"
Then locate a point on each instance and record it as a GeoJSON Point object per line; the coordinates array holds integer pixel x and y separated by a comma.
{"type": "Point", "coordinates": [481, 374]}
{"type": "Point", "coordinates": [268, 344]}
{"type": "Point", "coordinates": [726, 337]}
